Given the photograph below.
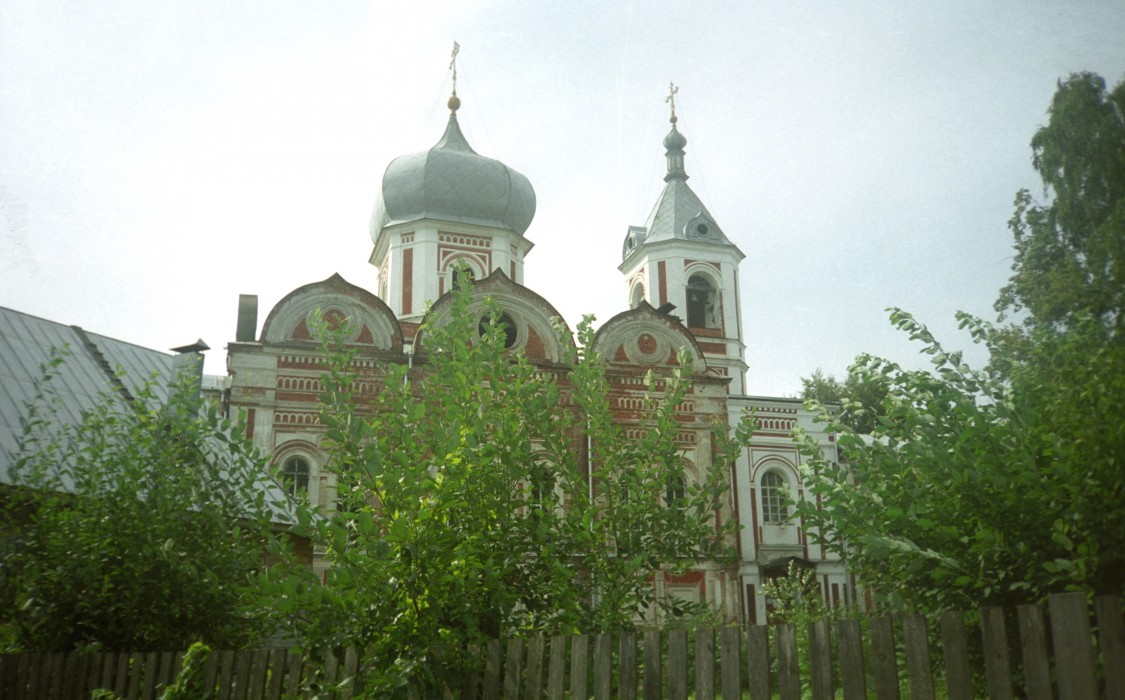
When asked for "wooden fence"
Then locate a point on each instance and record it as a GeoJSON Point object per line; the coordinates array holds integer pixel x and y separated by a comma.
{"type": "Point", "coordinates": [1022, 654]}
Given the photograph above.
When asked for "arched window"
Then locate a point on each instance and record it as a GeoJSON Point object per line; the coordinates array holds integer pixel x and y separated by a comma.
{"type": "Point", "coordinates": [675, 492]}
{"type": "Point", "coordinates": [775, 497]}
{"type": "Point", "coordinates": [462, 272]}
{"type": "Point", "coordinates": [636, 296]}
{"type": "Point", "coordinates": [295, 476]}
{"type": "Point", "coordinates": [702, 303]}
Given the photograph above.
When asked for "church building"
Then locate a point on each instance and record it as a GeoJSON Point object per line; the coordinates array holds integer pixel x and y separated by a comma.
{"type": "Point", "coordinates": [448, 209]}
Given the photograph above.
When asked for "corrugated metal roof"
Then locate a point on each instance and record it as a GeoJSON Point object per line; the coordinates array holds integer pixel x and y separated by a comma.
{"type": "Point", "coordinates": [96, 365]}
{"type": "Point", "coordinates": [26, 347]}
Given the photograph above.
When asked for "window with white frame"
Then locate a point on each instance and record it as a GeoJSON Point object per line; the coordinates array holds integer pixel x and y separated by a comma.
{"type": "Point", "coordinates": [775, 497]}
{"type": "Point", "coordinates": [295, 476]}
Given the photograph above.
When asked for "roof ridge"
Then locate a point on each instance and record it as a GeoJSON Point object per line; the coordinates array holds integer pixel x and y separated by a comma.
{"type": "Point", "coordinates": [100, 360]}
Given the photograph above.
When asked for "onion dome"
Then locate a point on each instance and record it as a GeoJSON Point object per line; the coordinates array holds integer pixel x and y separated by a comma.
{"type": "Point", "coordinates": [451, 182]}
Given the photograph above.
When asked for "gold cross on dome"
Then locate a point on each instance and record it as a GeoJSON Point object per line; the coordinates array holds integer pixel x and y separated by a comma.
{"type": "Point", "coordinates": [671, 99]}
{"type": "Point", "coordinates": [453, 64]}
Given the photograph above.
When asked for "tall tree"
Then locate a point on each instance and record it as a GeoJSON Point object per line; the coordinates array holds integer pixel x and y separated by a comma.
{"type": "Point", "coordinates": [1000, 487]}
{"type": "Point", "coordinates": [1070, 247]}
{"type": "Point", "coordinates": [143, 526]}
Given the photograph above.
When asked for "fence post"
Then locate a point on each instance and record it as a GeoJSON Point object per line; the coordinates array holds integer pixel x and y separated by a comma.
{"type": "Point", "coordinates": [579, 653]}
{"type": "Point", "coordinates": [603, 666]}
{"type": "Point", "coordinates": [853, 678]}
{"type": "Point", "coordinates": [653, 678]}
{"type": "Point", "coordinates": [677, 665]}
{"type": "Point", "coordinates": [705, 664]}
{"type": "Point", "coordinates": [1111, 636]}
{"type": "Point", "coordinates": [820, 658]}
{"type": "Point", "coordinates": [1033, 643]}
{"type": "Point", "coordinates": [557, 668]}
{"type": "Point", "coordinates": [536, 647]}
{"type": "Point", "coordinates": [1074, 653]}
{"type": "Point", "coordinates": [883, 659]}
{"type": "Point", "coordinates": [627, 666]}
{"type": "Point", "coordinates": [788, 670]}
{"type": "Point", "coordinates": [758, 661]}
{"type": "Point", "coordinates": [513, 669]}
{"type": "Point", "coordinates": [730, 662]}
{"type": "Point", "coordinates": [918, 666]}
{"type": "Point", "coordinates": [955, 654]}
{"type": "Point", "coordinates": [492, 670]}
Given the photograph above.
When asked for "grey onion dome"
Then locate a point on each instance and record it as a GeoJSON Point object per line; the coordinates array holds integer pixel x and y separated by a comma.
{"type": "Point", "coordinates": [675, 141]}
{"type": "Point", "coordinates": [451, 182]}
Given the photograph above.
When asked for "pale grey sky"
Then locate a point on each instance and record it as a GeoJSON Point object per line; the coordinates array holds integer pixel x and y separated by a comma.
{"type": "Point", "coordinates": [159, 159]}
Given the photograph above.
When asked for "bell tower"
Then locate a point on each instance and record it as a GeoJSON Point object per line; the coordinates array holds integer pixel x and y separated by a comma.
{"type": "Point", "coordinates": [682, 263]}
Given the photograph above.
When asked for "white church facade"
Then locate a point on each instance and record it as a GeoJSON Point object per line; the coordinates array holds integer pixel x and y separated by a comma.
{"type": "Point", "coordinates": [449, 206]}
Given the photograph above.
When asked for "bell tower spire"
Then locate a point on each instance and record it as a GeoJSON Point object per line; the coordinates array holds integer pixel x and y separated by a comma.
{"type": "Point", "coordinates": [674, 142]}
{"type": "Point", "coordinates": [681, 261]}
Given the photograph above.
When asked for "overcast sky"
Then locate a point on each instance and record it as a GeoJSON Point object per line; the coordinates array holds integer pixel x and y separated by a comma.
{"type": "Point", "coordinates": [157, 159]}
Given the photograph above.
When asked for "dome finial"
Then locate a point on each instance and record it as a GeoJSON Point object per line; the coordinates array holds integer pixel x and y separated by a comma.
{"type": "Point", "coordinates": [671, 99]}
{"type": "Point", "coordinates": [454, 101]}
{"type": "Point", "coordinates": [674, 142]}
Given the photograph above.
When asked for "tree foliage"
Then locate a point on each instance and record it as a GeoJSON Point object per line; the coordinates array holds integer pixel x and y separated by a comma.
{"type": "Point", "coordinates": [1070, 248]}
{"type": "Point", "coordinates": [978, 491]}
{"type": "Point", "coordinates": [999, 487]}
{"type": "Point", "coordinates": [140, 527]}
{"type": "Point", "coordinates": [466, 510]}
{"type": "Point", "coordinates": [860, 399]}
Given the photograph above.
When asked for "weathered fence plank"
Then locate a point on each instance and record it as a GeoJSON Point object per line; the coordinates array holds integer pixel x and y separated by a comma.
{"type": "Point", "coordinates": [853, 676]}
{"type": "Point", "coordinates": [653, 678]}
{"type": "Point", "coordinates": [579, 653]}
{"type": "Point", "coordinates": [122, 675]}
{"type": "Point", "coordinates": [136, 671]}
{"type": "Point", "coordinates": [242, 676]}
{"type": "Point", "coordinates": [627, 666]}
{"type": "Point", "coordinates": [1033, 647]}
{"type": "Point", "coordinates": [730, 663]}
{"type": "Point", "coordinates": [293, 664]}
{"type": "Point", "coordinates": [226, 674]}
{"type": "Point", "coordinates": [705, 664]}
{"type": "Point", "coordinates": [1111, 639]}
{"type": "Point", "coordinates": [491, 681]}
{"type": "Point", "coordinates": [788, 668]}
{"type": "Point", "coordinates": [556, 671]}
{"type": "Point", "coordinates": [513, 669]}
{"type": "Point", "coordinates": [277, 674]}
{"type": "Point", "coordinates": [955, 655]}
{"type": "Point", "coordinates": [536, 648]}
{"type": "Point", "coordinates": [603, 667]}
{"type": "Point", "coordinates": [918, 668]}
{"type": "Point", "coordinates": [148, 691]}
{"type": "Point", "coordinates": [677, 665]}
{"type": "Point", "coordinates": [883, 659]}
{"type": "Point", "coordinates": [259, 668]}
{"type": "Point", "coordinates": [1074, 653]}
{"type": "Point", "coordinates": [997, 665]}
{"type": "Point", "coordinates": [820, 661]}
{"type": "Point", "coordinates": [758, 661]}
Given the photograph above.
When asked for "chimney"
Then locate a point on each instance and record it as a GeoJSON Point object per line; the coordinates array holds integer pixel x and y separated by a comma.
{"type": "Point", "coordinates": [189, 359]}
{"type": "Point", "coordinates": [247, 331]}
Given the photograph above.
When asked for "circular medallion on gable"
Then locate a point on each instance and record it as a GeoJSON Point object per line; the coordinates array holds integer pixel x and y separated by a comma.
{"type": "Point", "coordinates": [647, 349]}
{"type": "Point", "coordinates": [336, 317]}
